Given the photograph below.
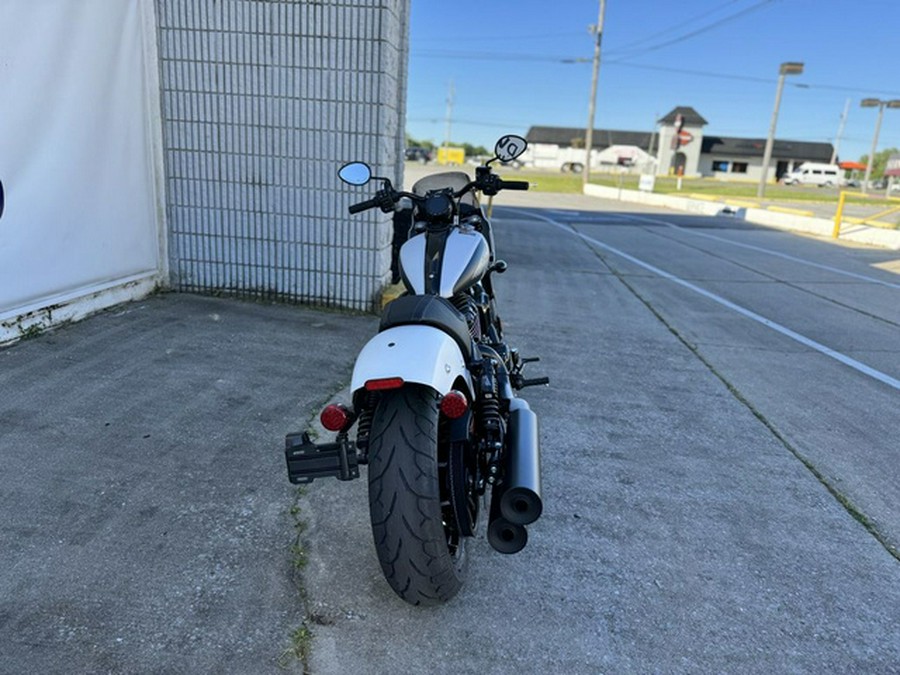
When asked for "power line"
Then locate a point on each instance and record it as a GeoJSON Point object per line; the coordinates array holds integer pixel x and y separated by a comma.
{"type": "Point", "coordinates": [697, 73]}
{"type": "Point", "coordinates": [680, 24]}
{"type": "Point", "coordinates": [496, 56]}
{"type": "Point", "coordinates": [698, 31]}
{"type": "Point", "coordinates": [858, 90]}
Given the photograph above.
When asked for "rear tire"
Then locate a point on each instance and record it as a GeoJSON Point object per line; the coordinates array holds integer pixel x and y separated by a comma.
{"type": "Point", "coordinates": [420, 550]}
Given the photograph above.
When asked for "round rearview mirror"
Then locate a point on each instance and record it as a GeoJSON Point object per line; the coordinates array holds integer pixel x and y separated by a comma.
{"type": "Point", "coordinates": [509, 147]}
{"type": "Point", "coordinates": [355, 173]}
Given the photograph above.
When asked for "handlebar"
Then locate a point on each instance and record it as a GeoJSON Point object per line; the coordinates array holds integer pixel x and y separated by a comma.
{"type": "Point", "coordinates": [489, 184]}
{"type": "Point", "coordinates": [363, 206]}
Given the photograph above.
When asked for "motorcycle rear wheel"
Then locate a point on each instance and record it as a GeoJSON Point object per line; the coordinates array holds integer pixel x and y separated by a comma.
{"type": "Point", "coordinates": [421, 551]}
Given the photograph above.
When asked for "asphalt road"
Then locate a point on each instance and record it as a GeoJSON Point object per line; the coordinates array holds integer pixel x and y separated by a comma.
{"type": "Point", "coordinates": [719, 457]}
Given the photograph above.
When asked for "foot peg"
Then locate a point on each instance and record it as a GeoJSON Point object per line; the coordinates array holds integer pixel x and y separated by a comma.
{"type": "Point", "coordinates": [519, 381]}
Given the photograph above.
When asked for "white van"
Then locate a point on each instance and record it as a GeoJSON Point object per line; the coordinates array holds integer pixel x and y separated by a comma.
{"type": "Point", "coordinates": [813, 173]}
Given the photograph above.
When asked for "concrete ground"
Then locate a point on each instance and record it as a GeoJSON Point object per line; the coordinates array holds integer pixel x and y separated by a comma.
{"type": "Point", "coordinates": [148, 526]}
{"type": "Point", "coordinates": [147, 522]}
{"type": "Point", "coordinates": [688, 455]}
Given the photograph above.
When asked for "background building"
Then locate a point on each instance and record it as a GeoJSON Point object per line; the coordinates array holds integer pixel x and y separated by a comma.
{"type": "Point", "coordinates": [194, 145]}
{"type": "Point", "coordinates": [696, 153]}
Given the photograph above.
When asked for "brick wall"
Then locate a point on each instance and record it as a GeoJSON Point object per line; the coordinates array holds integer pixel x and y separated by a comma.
{"type": "Point", "coordinates": [262, 101]}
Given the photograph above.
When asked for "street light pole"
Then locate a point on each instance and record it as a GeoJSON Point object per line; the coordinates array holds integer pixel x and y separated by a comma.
{"type": "Point", "coordinates": [589, 133]}
{"type": "Point", "coordinates": [788, 68]}
{"type": "Point", "coordinates": [881, 105]}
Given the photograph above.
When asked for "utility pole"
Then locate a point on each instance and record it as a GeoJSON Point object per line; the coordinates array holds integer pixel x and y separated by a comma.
{"type": "Point", "coordinates": [840, 133]}
{"type": "Point", "coordinates": [449, 114]}
{"type": "Point", "coordinates": [589, 134]}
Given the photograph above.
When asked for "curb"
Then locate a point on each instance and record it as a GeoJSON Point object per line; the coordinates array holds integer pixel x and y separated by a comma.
{"type": "Point", "coordinates": [391, 292]}
{"type": "Point", "coordinates": [782, 218]}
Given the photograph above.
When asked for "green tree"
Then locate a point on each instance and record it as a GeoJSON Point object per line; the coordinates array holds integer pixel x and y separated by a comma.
{"type": "Point", "coordinates": [880, 162]}
{"type": "Point", "coordinates": [474, 150]}
{"type": "Point", "coordinates": [430, 145]}
{"type": "Point", "coordinates": [413, 143]}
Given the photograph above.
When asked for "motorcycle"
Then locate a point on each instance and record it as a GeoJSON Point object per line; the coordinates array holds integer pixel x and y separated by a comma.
{"type": "Point", "coordinates": [433, 394]}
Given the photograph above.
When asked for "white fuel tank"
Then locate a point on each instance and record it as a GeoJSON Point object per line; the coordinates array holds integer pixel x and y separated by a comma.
{"type": "Point", "coordinates": [463, 261]}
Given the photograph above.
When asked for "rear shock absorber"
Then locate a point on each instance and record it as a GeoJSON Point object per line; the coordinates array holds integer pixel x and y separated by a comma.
{"type": "Point", "coordinates": [366, 405]}
{"type": "Point", "coordinates": [490, 419]}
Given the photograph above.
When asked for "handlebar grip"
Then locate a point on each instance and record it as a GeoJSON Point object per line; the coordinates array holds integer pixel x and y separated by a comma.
{"type": "Point", "coordinates": [363, 206]}
{"type": "Point", "coordinates": [514, 184]}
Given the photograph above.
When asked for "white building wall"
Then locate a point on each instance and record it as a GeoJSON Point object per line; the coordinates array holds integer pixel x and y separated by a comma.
{"type": "Point", "coordinates": [552, 157]}
{"type": "Point", "coordinates": [80, 228]}
{"type": "Point", "coordinates": [752, 174]}
{"type": "Point", "coordinates": [139, 132]}
{"type": "Point", "coordinates": [691, 150]}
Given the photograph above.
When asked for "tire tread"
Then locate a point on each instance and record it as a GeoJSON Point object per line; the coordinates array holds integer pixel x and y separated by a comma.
{"type": "Point", "coordinates": [405, 500]}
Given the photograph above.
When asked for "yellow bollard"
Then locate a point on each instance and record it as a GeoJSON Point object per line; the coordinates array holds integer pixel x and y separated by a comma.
{"type": "Point", "coordinates": [838, 216]}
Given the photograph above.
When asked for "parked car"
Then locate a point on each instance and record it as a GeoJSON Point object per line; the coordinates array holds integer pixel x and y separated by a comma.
{"type": "Point", "coordinates": [421, 155]}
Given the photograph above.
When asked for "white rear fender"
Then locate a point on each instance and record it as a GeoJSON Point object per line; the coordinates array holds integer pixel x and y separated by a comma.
{"type": "Point", "coordinates": [418, 354]}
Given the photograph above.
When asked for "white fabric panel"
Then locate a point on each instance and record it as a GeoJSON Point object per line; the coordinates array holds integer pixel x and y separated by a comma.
{"type": "Point", "coordinates": [75, 157]}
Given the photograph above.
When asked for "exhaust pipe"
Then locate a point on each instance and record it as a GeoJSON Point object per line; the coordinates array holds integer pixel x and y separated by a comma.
{"type": "Point", "coordinates": [520, 502]}
{"type": "Point", "coordinates": [502, 535]}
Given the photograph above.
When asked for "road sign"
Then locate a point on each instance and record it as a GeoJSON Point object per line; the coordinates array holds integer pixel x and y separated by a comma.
{"type": "Point", "coordinates": [892, 168]}
{"type": "Point", "coordinates": [681, 137]}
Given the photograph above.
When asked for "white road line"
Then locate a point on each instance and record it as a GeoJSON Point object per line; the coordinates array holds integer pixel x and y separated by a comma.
{"type": "Point", "coordinates": [743, 311]}
{"type": "Point", "coordinates": [801, 261]}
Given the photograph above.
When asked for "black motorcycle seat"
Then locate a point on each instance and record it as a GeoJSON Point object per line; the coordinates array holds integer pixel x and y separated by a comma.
{"type": "Point", "coordinates": [429, 310]}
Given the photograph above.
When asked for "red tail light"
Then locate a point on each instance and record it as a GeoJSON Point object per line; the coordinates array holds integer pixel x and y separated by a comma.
{"type": "Point", "coordinates": [334, 417]}
{"type": "Point", "coordinates": [454, 404]}
{"type": "Point", "coordinates": [385, 383]}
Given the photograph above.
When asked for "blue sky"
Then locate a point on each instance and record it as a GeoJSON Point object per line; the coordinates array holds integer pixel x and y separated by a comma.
{"type": "Point", "coordinates": [720, 57]}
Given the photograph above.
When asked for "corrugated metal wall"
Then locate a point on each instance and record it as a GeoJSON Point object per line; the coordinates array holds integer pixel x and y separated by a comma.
{"type": "Point", "coordinates": [262, 101]}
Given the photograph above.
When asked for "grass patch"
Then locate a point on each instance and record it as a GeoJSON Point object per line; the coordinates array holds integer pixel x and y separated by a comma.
{"type": "Point", "coordinates": [570, 183]}
{"type": "Point", "coordinates": [546, 181]}
{"type": "Point", "coordinates": [33, 331]}
{"type": "Point", "coordinates": [300, 643]}
{"type": "Point", "coordinates": [717, 188]}
{"type": "Point", "coordinates": [299, 639]}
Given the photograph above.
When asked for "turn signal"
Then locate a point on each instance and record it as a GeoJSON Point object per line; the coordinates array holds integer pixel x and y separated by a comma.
{"type": "Point", "coordinates": [334, 417]}
{"type": "Point", "coordinates": [454, 404]}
